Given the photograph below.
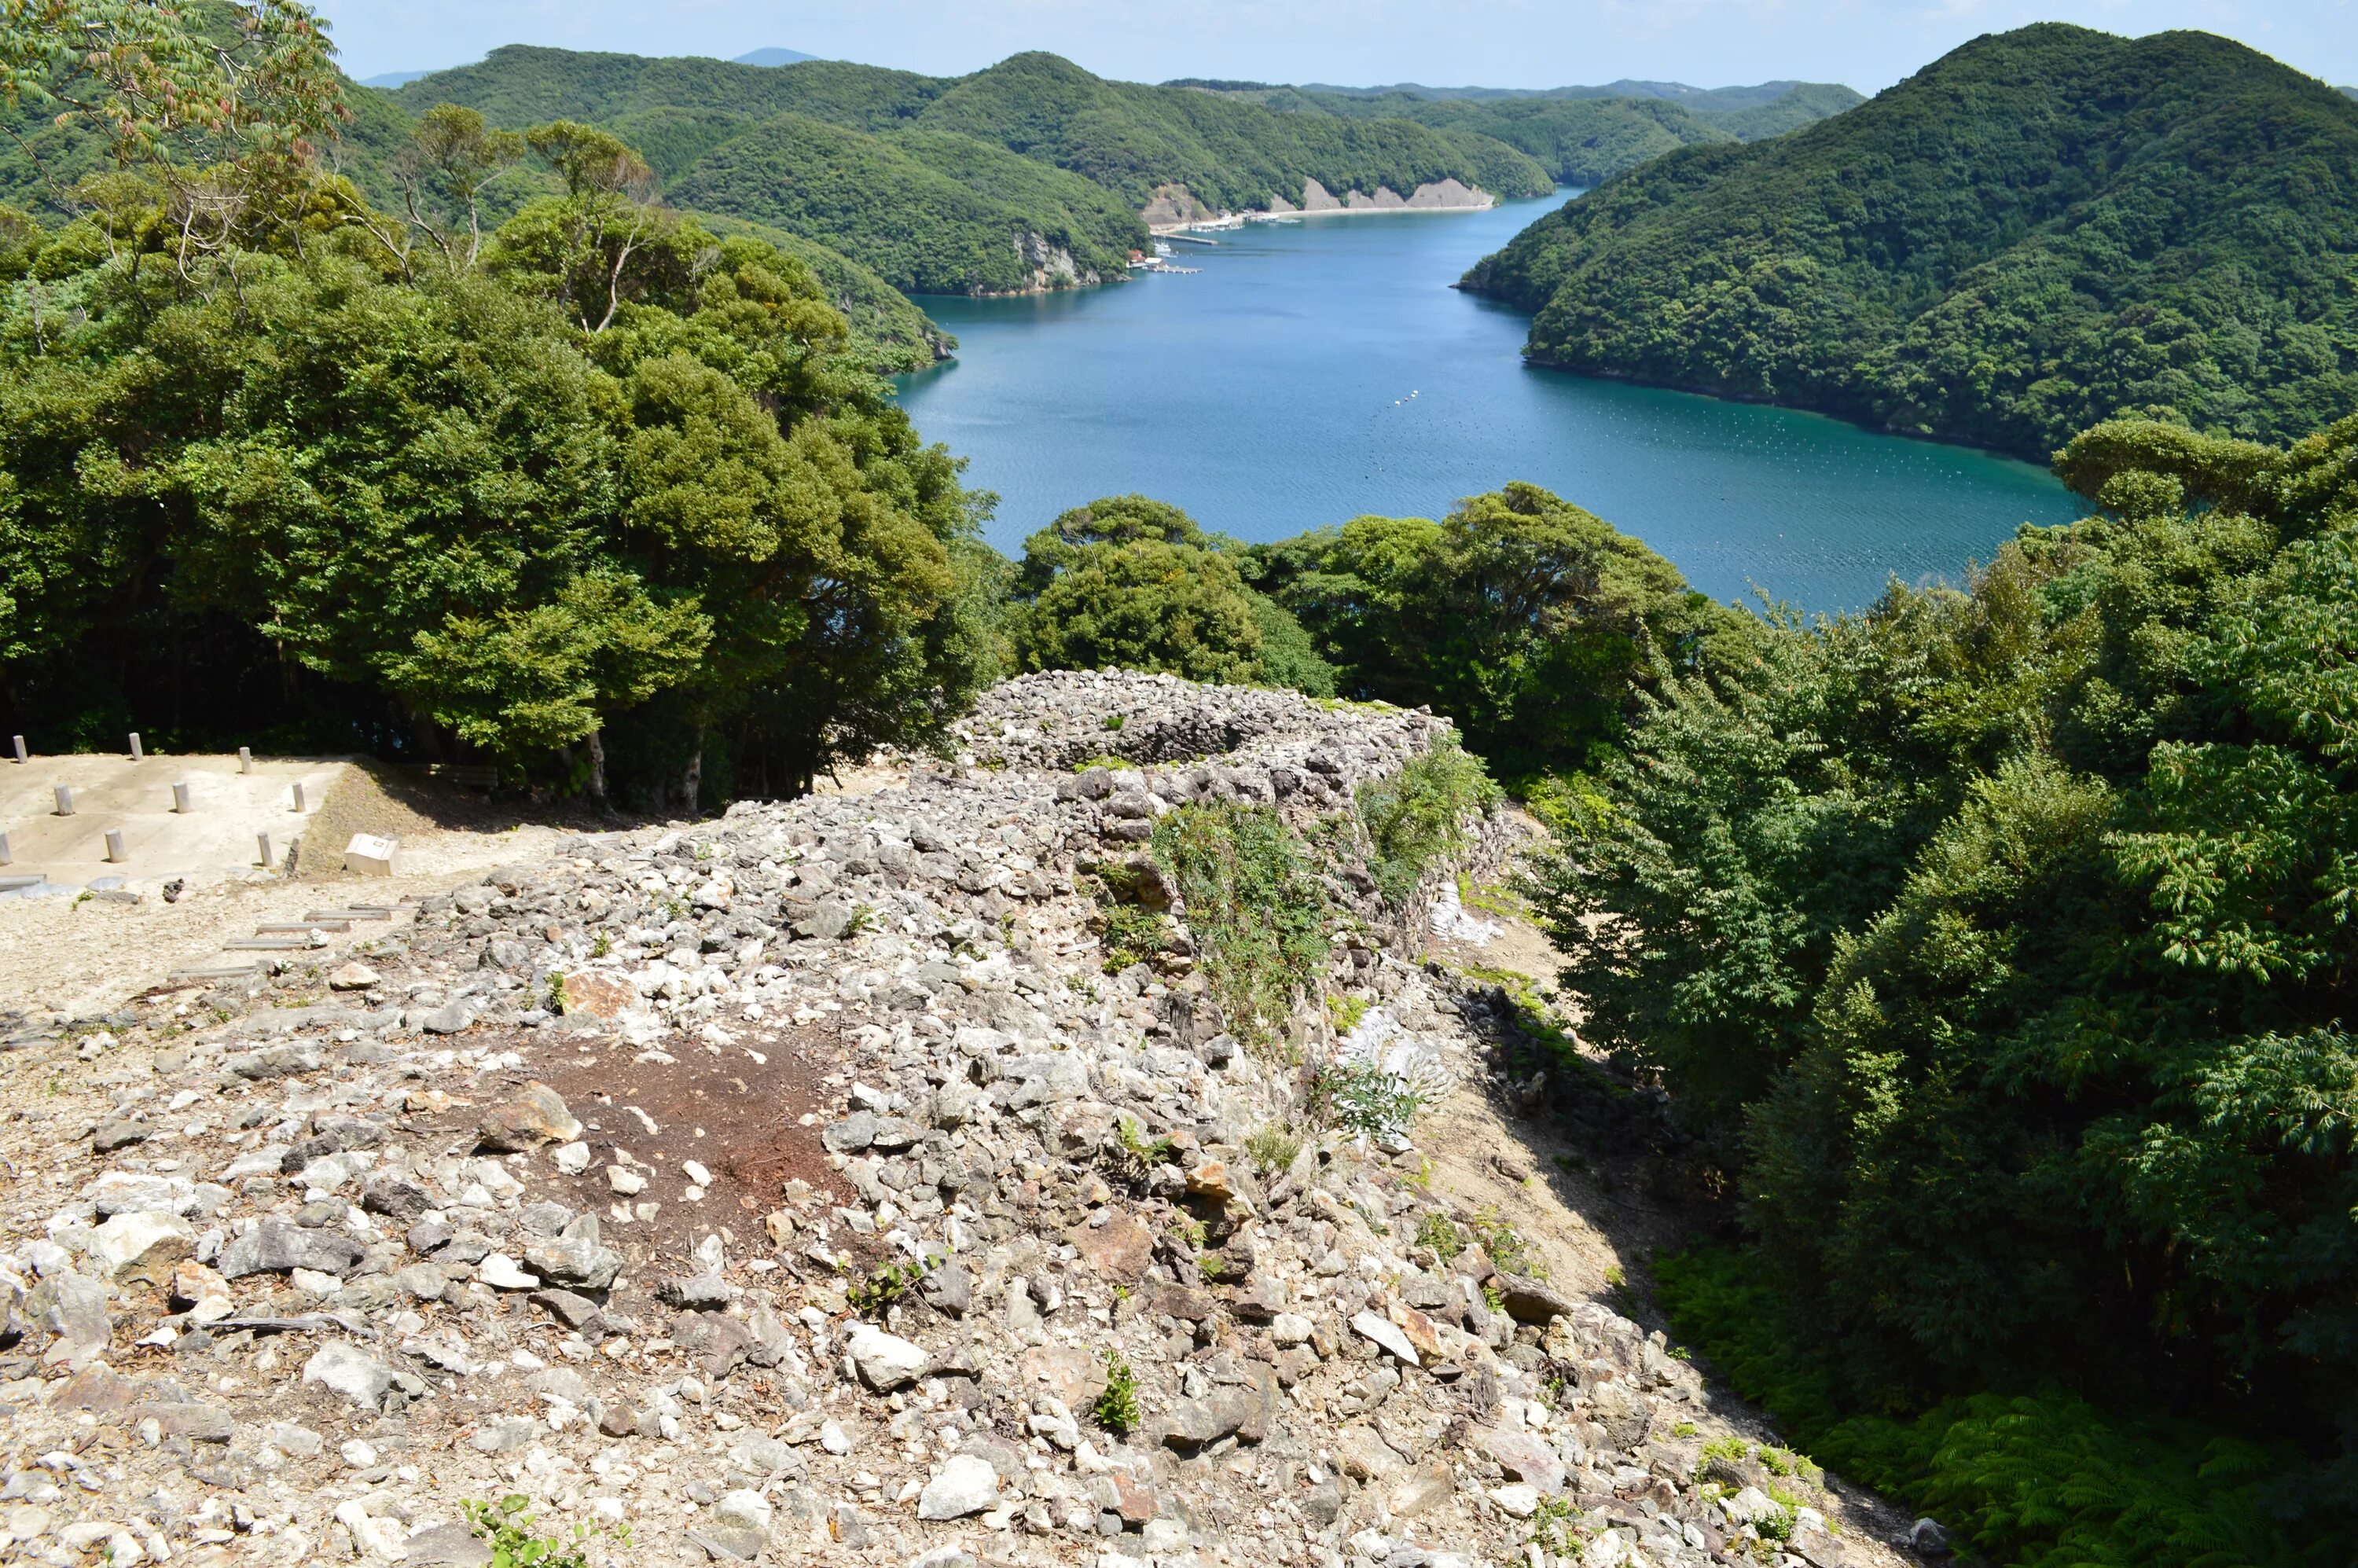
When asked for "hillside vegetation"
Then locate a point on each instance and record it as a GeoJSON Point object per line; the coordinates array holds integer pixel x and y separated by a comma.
{"type": "Point", "coordinates": [1580, 136]}
{"type": "Point", "coordinates": [1030, 175]}
{"type": "Point", "coordinates": [2000, 941]}
{"type": "Point", "coordinates": [595, 494]}
{"type": "Point", "coordinates": [2041, 230]}
{"type": "Point", "coordinates": [935, 214]}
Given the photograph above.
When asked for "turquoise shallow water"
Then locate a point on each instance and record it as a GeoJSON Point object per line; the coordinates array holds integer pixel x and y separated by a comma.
{"type": "Point", "coordinates": [1310, 373]}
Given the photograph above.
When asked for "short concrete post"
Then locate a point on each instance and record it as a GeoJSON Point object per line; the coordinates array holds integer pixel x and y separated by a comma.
{"type": "Point", "coordinates": [180, 799]}
{"type": "Point", "coordinates": [7, 858]}
{"type": "Point", "coordinates": [115, 850]}
{"type": "Point", "coordinates": [298, 796]}
{"type": "Point", "coordinates": [20, 742]}
{"type": "Point", "coordinates": [246, 759]}
{"type": "Point", "coordinates": [65, 800]}
{"type": "Point", "coordinates": [136, 754]}
{"type": "Point", "coordinates": [262, 839]}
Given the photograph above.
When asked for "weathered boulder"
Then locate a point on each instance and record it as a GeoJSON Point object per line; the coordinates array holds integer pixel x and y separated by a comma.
{"type": "Point", "coordinates": [528, 1118]}
{"type": "Point", "coordinates": [886, 1361]}
{"type": "Point", "coordinates": [963, 1485]}
{"type": "Point", "coordinates": [275, 1247]}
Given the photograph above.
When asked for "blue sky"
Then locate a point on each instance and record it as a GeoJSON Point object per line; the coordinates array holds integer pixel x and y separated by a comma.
{"type": "Point", "coordinates": [1505, 43]}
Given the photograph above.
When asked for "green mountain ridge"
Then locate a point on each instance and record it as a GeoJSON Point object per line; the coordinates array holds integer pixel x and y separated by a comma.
{"type": "Point", "coordinates": [2043, 228]}
{"type": "Point", "coordinates": [1708, 100]}
{"type": "Point", "coordinates": [1581, 135]}
{"type": "Point", "coordinates": [1175, 148]}
{"type": "Point", "coordinates": [1130, 140]}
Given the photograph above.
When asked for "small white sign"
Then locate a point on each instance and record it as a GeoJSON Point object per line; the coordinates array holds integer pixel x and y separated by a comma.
{"type": "Point", "coordinates": [369, 855]}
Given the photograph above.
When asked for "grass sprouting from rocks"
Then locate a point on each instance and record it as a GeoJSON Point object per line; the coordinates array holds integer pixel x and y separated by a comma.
{"type": "Point", "coordinates": [1271, 1148]}
{"type": "Point", "coordinates": [1444, 1234]}
{"type": "Point", "coordinates": [1420, 814]}
{"type": "Point", "coordinates": [1254, 905]}
{"type": "Point", "coordinates": [1507, 1247]}
{"type": "Point", "coordinates": [1134, 936]}
{"type": "Point", "coordinates": [1132, 1155]}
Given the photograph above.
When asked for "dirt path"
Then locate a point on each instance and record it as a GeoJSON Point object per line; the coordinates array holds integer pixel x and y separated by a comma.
{"type": "Point", "coordinates": [75, 953]}
{"type": "Point", "coordinates": [1576, 1207]}
{"type": "Point", "coordinates": [212, 840]}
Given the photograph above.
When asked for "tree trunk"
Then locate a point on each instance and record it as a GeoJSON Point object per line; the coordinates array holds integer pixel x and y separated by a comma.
{"type": "Point", "coordinates": [691, 782]}
{"type": "Point", "coordinates": [596, 743]}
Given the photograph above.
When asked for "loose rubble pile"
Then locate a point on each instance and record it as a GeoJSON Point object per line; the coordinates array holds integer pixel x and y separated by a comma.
{"type": "Point", "coordinates": [801, 1187]}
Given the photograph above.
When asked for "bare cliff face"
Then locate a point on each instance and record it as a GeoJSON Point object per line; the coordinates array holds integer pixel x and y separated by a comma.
{"type": "Point", "coordinates": [1174, 206]}
{"type": "Point", "coordinates": [904, 1176]}
{"type": "Point", "coordinates": [1051, 266]}
{"type": "Point", "coordinates": [1442, 196]}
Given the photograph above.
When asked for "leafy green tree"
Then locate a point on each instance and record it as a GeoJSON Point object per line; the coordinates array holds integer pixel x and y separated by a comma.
{"type": "Point", "coordinates": [1524, 618]}
{"type": "Point", "coordinates": [500, 509]}
{"type": "Point", "coordinates": [2007, 929]}
{"type": "Point", "coordinates": [1130, 582]}
{"type": "Point", "coordinates": [607, 218]}
{"type": "Point", "coordinates": [445, 175]}
{"type": "Point", "coordinates": [221, 110]}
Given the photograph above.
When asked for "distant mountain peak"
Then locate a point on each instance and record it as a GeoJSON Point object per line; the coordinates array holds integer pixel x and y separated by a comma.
{"type": "Point", "coordinates": [392, 78]}
{"type": "Point", "coordinates": [774, 57]}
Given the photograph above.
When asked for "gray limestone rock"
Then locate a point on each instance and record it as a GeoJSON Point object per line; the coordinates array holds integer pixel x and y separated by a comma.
{"type": "Point", "coordinates": [451, 1018]}
{"type": "Point", "coordinates": [275, 1247]}
{"type": "Point", "coordinates": [698, 1293]}
{"type": "Point", "coordinates": [963, 1485]}
{"type": "Point", "coordinates": [576, 1261]}
{"type": "Point", "coordinates": [948, 1289]}
{"type": "Point", "coordinates": [448, 1546]}
{"type": "Point", "coordinates": [395, 1196]}
{"type": "Point", "coordinates": [852, 1134]}
{"type": "Point", "coordinates": [1193, 1424]}
{"type": "Point", "coordinates": [119, 1133]}
{"type": "Point", "coordinates": [729, 1542]}
{"type": "Point", "coordinates": [1528, 1299]}
{"type": "Point", "coordinates": [355, 1374]}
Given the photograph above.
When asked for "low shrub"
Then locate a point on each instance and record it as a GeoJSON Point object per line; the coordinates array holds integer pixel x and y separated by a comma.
{"type": "Point", "coordinates": [1134, 936]}
{"type": "Point", "coordinates": [505, 1527]}
{"type": "Point", "coordinates": [1420, 814]}
{"type": "Point", "coordinates": [2041, 1477]}
{"type": "Point", "coordinates": [1364, 1099]}
{"type": "Point", "coordinates": [1255, 908]}
{"type": "Point", "coordinates": [1116, 1408]}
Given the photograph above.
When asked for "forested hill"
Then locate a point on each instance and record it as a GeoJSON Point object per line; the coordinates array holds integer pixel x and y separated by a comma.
{"type": "Point", "coordinates": [893, 334]}
{"type": "Point", "coordinates": [1031, 174]}
{"type": "Point", "coordinates": [2043, 228]}
{"type": "Point", "coordinates": [1582, 135]}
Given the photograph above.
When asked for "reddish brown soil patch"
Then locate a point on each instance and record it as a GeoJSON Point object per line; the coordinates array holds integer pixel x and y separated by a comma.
{"type": "Point", "coordinates": [739, 1118]}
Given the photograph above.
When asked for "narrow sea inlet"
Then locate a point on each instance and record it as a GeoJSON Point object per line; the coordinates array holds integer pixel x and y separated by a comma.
{"type": "Point", "coordinates": [1309, 371]}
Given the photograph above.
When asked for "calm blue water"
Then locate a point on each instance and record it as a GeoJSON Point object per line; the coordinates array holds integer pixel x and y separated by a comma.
{"type": "Point", "coordinates": [1311, 373]}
